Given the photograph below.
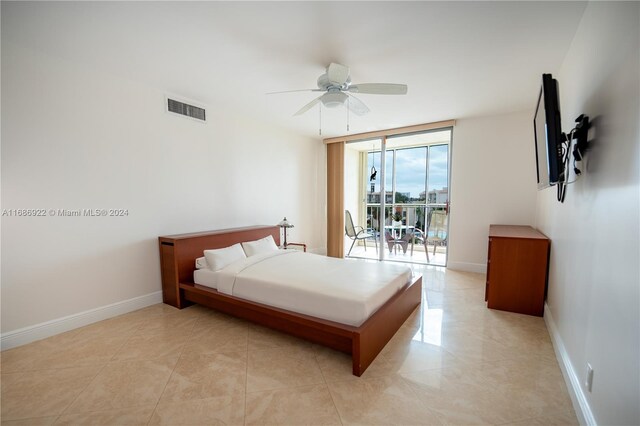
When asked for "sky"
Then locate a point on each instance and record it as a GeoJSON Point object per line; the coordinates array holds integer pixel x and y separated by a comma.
{"type": "Point", "coordinates": [412, 171]}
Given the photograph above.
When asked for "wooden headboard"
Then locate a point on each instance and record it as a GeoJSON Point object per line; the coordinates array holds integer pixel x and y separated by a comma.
{"type": "Point", "coordinates": [178, 254]}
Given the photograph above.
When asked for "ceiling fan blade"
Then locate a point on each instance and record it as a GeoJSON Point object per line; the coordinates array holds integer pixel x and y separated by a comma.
{"type": "Point", "coordinates": [337, 74]}
{"type": "Point", "coordinates": [291, 91]}
{"type": "Point", "coordinates": [379, 88]}
{"type": "Point", "coordinates": [308, 106]}
{"type": "Point", "coordinates": [356, 106]}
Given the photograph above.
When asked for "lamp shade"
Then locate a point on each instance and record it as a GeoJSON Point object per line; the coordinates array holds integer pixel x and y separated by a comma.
{"type": "Point", "coordinates": [333, 99]}
{"type": "Point", "coordinates": [284, 223]}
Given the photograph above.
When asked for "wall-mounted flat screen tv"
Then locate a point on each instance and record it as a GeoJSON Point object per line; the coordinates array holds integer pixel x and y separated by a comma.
{"type": "Point", "coordinates": [548, 135]}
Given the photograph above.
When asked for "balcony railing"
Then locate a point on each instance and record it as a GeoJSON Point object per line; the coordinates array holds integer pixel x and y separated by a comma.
{"type": "Point", "coordinates": [415, 218]}
{"type": "Point", "coordinates": [416, 215]}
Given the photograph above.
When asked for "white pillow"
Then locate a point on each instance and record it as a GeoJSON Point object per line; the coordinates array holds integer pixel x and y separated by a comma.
{"type": "Point", "coordinates": [219, 258]}
{"type": "Point", "coordinates": [201, 263]}
{"type": "Point", "coordinates": [263, 245]}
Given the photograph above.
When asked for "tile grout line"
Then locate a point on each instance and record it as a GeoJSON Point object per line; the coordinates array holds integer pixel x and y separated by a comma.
{"type": "Point", "coordinates": [308, 385]}
{"type": "Point", "coordinates": [172, 371]}
{"type": "Point", "coordinates": [82, 391]}
{"type": "Point", "coordinates": [73, 334]}
{"type": "Point", "coordinates": [97, 374]}
{"type": "Point", "coordinates": [124, 344]}
{"type": "Point", "coordinates": [326, 385]}
{"type": "Point", "coordinates": [414, 391]}
{"type": "Point", "coordinates": [40, 369]}
{"type": "Point", "coordinates": [246, 380]}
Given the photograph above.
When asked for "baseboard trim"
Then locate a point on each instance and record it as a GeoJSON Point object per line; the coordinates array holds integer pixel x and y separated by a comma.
{"type": "Point", "coordinates": [43, 330]}
{"type": "Point", "coordinates": [579, 399]}
{"type": "Point", "coordinates": [480, 268]}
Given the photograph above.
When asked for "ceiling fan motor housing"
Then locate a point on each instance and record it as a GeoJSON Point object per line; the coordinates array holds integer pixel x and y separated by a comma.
{"type": "Point", "coordinates": [336, 82]}
{"type": "Point", "coordinates": [325, 84]}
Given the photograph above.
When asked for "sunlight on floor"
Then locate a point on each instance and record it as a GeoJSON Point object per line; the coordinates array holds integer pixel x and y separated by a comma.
{"type": "Point", "coordinates": [430, 328]}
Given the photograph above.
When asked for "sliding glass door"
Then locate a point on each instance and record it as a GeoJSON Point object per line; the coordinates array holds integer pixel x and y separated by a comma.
{"type": "Point", "coordinates": [420, 197]}
{"type": "Point", "coordinates": [398, 189]}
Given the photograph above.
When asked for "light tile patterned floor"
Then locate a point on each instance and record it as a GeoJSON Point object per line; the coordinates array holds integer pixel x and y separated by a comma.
{"type": "Point", "coordinates": [453, 362]}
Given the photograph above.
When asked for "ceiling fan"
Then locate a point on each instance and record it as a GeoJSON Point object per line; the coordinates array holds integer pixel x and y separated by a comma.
{"type": "Point", "coordinates": [336, 82]}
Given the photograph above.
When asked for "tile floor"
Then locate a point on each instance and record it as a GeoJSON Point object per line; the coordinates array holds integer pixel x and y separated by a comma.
{"type": "Point", "coordinates": [453, 362]}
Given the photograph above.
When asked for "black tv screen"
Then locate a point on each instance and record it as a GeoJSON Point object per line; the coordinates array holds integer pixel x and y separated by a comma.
{"type": "Point", "coordinates": [548, 135]}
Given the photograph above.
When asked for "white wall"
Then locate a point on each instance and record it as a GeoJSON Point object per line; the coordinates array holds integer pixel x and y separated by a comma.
{"type": "Point", "coordinates": [594, 279]}
{"type": "Point", "coordinates": [74, 137]}
{"type": "Point", "coordinates": [493, 181]}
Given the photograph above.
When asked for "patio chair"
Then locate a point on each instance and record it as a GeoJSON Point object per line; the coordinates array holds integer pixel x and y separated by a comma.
{"type": "Point", "coordinates": [436, 233]}
{"type": "Point", "coordinates": [437, 230]}
{"type": "Point", "coordinates": [357, 233]}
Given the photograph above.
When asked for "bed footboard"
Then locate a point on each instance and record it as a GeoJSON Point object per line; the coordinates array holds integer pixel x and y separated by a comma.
{"type": "Point", "coordinates": [327, 333]}
{"type": "Point", "coordinates": [376, 332]}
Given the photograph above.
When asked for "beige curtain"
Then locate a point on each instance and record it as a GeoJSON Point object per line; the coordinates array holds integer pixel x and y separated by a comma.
{"type": "Point", "coordinates": [335, 199]}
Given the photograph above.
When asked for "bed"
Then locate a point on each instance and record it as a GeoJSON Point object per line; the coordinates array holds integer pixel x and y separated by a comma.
{"type": "Point", "coordinates": [364, 341]}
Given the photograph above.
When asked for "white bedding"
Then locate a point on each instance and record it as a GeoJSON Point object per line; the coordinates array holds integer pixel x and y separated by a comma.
{"type": "Point", "coordinates": [339, 290]}
{"type": "Point", "coordinates": [206, 277]}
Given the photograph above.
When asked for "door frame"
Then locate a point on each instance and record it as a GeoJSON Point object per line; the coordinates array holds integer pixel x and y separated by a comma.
{"type": "Point", "coordinates": [335, 178]}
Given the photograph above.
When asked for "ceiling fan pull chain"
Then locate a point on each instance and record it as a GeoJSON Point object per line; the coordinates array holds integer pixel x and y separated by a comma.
{"type": "Point", "coordinates": [348, 108]}
{"type": "Point", "coordinates": [320, 122]}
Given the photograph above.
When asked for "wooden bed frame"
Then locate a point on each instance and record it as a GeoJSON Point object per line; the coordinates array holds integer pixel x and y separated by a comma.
{"type": "Point", "coordinates": [177, 258]}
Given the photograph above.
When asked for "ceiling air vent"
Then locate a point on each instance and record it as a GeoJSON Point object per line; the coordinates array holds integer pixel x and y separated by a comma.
{"type": "Point", "coordinates": [186, 110]}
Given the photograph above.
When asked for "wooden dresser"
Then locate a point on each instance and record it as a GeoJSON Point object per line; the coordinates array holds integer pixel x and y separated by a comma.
{"type": "Point", "coordinates": [517, 267]}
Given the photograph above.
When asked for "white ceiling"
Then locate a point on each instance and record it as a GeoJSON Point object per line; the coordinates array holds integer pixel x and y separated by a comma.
{"type": "Point", "coordinates": [459, 59]}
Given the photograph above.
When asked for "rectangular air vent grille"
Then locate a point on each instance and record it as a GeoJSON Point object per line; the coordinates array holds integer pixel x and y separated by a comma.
{"type": "Point", "coordinates": [186, 109]}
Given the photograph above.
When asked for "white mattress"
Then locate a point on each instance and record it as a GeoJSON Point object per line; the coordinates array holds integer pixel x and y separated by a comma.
{"type": "Point", "coordinates": [206, 277]}
{"type": "Point", "coordinates": [339, 290]}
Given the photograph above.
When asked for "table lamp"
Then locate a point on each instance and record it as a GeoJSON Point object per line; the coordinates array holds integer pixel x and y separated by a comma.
{"type": "Point", "coordinates": [284, 223]}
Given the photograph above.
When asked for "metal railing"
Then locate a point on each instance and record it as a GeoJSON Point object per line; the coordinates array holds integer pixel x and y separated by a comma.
{"type": "Point", "coordinates": [417, 215]}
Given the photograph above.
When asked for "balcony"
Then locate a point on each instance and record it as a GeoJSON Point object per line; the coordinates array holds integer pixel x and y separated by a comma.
{"type": "Point", "coordinates": [428, 221]}
{"type": "Point", "coordinates": [397, 254]}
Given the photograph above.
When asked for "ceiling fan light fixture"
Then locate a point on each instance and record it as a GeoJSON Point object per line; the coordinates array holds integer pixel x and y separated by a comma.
{"type": "Point", "coordinates": [334, 99]}
{"type": "Point", "coordinates": [336, 82]}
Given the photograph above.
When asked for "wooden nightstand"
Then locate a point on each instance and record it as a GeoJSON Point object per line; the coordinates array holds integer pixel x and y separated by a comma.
{"type": "Point", "coordinates": [288, 247]}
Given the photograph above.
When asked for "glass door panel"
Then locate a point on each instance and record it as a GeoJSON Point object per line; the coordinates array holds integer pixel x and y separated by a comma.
{"type": "Point", "coordinates": [414, 226]}
{"type": "Point", "coordinates": [438, 185]}
{"type": "Point", "coordinates": [420, 187]}
{"type": "Point", "coordinates": [363, 169]}
{"type": "Point", "coordinates": [411, 175]}
{"type": "Point", "coordinates": [374, 165]}
{"type": "Point", "coordinates": [388, 177]}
